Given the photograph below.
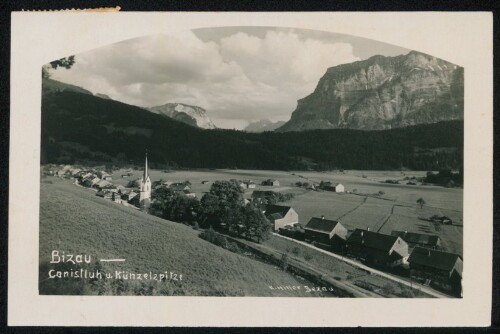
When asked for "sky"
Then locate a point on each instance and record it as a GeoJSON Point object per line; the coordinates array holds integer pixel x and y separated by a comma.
{"type": "Point", "coordinates": [237, 74]}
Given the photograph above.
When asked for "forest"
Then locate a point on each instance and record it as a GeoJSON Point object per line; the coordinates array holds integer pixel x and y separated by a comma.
{"type": "Point", "coordinates": [81, 128]}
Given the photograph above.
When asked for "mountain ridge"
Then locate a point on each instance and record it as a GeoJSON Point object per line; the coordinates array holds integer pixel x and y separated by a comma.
{"type": "Point", "coordinates": [189, 114]}
{"type": "Point", "coordinates": [382, 93]}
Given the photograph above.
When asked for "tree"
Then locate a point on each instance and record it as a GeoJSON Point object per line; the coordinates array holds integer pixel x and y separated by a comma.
{"type": "Point", "coordinates": [66, 63]}
{"type": "Point", "coordinates": [222, 203]}
{"type": "Point", "coordinates": [421, 202]}
{"type": "Point", "coordinates": [256, 225]}
{"type": "Point", "coordinates": [133, 184]}
{"type": "Point", "coordinates": [174, 206]}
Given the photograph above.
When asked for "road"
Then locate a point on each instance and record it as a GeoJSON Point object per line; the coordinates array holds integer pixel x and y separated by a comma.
{"type": "Point", "coordinates": [412, 285]}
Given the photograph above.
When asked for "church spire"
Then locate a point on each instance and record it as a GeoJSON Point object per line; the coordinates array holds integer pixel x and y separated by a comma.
{"type": "Point", "coordinates": [146, 168]}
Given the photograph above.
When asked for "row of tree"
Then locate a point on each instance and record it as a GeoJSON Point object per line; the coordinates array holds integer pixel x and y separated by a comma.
{"type": "Point", "coordinates": [222, 208]}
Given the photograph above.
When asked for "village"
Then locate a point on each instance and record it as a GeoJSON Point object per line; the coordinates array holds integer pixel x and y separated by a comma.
{"type": "Point", "coordinates": [420, 257]}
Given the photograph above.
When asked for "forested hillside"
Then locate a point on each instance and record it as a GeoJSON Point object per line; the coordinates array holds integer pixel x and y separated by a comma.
{"type": "Point", "coordinates": [85, 128]}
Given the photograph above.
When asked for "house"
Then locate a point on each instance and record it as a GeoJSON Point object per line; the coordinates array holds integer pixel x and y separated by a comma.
{"type": "Point", "coordinates": [441, 219]}
{"type": "Point", "coordinates": [330, 186]}
{"type": "Point", "coordinates": [325, 231]}
{"type": "Point", "coordinates": [101, 184]}
{"type": "Point", "coordinates": [377, 249]}
{"type": "Point", "coordinates": [249, 184]}
{"type": "Point", "coordinates": [242, 185]}
{"type": "Point", "coordinates": [105, 194]}
{"type": "Point", "coordinates": [271, 182]}
{"type": "Point", "coordinates": [128, 195]}
{"type": "Point", "coordinates": [419, 239]}
{"type": "Point", "coordinates": [90, 181]}
{"type": "Point", "coordinates": [439, 268]}
{"type": "Point", "coordinates": [75, 171]}
{"type": "Point", "coordinates": [280, 215]}
{"type": "Point", "coordinates": [179, 186]}
{"type": "Point", "coordinates": [115, 197]}
{"type": "Point", "coordinates": [188, 193]}
{"type": "Point", "coordinates": [103, 175]}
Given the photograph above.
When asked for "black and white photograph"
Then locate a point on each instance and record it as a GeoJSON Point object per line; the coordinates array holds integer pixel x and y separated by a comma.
{"type": "Point", "coordinates": [254, 160]}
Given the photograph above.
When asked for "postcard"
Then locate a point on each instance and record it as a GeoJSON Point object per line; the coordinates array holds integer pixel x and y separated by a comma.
{"type": "Point", "coordinates": [251, 169]}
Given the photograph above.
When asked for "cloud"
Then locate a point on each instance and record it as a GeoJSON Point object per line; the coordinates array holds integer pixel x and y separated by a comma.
{"type": "Point", "coordinates": [237, 78]}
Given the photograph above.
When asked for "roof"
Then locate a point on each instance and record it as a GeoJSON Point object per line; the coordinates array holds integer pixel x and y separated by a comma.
{"type": "Point", "coordinates": [433, 258]}
{"type": "Point", "coordinates": [275, 216]}
{"type": "Point", "coordinates": [373, 240]}
{"type": "Point", "coordinates": [321, 225]}
{"type": "Point", "coordinates": [331, 184]}
{"type": "Point", "coordinates": [417, 238]}
{"type": "Point", "coordinates": [281, 209]}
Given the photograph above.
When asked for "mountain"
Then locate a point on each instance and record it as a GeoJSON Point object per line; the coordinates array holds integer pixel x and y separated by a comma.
{"type": "Point", "coordinates": [263, 125]}
{"type": "Point", "coordinates": [53, 86]}
{"type": "Point", "coordinates": [103, 96]}
{"type": "Point", "coordinates": [383, 93]}
{"type": "Point", "coordinates": [192, 115]}
{"type": "Point", "coordinates": [89, 129]}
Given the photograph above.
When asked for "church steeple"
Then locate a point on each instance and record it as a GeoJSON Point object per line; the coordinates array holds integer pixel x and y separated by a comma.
{"type": "Point", "coordinates": [146, 168]}
{"type": "Point", "coordinates": [145, 183]}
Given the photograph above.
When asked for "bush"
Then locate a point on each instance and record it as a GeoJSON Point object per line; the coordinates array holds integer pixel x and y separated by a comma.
{"type": "Point", "coordinates": [196, 226]}
{"type": "Point", "coordinates": [308, 257]}
{"type": "Point", "coordinates": [296, 250]}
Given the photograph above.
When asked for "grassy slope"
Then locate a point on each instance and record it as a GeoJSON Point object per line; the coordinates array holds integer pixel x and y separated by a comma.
{"type": "Point", "coordinates": [73, 219]}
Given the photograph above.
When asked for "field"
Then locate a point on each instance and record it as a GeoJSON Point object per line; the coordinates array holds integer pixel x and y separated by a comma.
{"type": "Point", "coordinates": [74, 220]}
{"type": "Point", "coordinates": [368, 202]}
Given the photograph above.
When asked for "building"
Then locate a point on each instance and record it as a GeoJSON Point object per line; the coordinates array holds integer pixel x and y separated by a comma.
{"type": "Point", "coordinates": [281, 216]}
{"type": "Point", "coordinates": [271, 182]}
{"type": "Point", "coordinates": [330, 186]}
{"type": "Point", "coordinates": [419, 239]}
{"type": "Point", "coordinates": [325, 231]}
{"type": "Point", "coordinates": [442, 269]}
{"type": "Point", "coordinates": [101, 184]}
{"type": "Point", "coordinates": [249, 184]}
{"type": "Point", "coordinates": [377, 249]}
{"type": "Point", "coordinates": [145, 184]}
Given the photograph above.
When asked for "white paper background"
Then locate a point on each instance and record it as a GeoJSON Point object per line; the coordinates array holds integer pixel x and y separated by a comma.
{"type": "Point", "coordinates": [37, 38]}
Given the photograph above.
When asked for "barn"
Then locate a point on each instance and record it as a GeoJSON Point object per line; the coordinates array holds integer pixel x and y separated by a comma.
{"type": "Point", "coordinates": [325, 231]}
{"type": "Point", "coordinates": [438, 268]}
{"type": "Point", "coordinates": [377, 249]}
{"type": "Point", "coordinates": [419, 239]}
{"type": "Point", "coordinates": [281, 216]}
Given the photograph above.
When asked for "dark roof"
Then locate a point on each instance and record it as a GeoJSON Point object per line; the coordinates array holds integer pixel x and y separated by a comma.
{"type": "Point", "coordinates": [321, 225]}
{"type": "Point", "coordinates": [373, 240]}
{"type": "Point", "coordinates": [417, 238]}
{"type": "Point", "coordinates": [434, 259]}
{"type": "Point", "coordinates": [275, 216]}
{"type": "Point", "coordinates": [281, 209]}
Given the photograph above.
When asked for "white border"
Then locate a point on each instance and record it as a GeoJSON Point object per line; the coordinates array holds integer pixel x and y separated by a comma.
{"type": "Point", "coordinates": [461, 38]}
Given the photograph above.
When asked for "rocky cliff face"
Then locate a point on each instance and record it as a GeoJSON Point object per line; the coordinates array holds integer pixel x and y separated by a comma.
{"type": "Point", "coordinates": [263, 125]}
{"type": "Point", "coordinates": [383, 93]}
{"type": "Point", "coordinates": [191, 115]}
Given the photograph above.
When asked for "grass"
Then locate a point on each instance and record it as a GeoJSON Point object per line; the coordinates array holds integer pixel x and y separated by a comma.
{"type": "Point", "coordinates": [375, 213]}
{"type": "Point", "coordinates": [74, 220]}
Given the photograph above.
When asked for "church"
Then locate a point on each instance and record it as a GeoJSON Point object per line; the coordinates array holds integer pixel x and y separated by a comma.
{"type": "Point", "coordinates": [144, 198]}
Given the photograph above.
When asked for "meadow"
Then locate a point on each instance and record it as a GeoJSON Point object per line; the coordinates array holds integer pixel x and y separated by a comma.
{"type": "Point", "coordinates": [369, 202]}
{"type": "Point", "coordinates": [74, 220]}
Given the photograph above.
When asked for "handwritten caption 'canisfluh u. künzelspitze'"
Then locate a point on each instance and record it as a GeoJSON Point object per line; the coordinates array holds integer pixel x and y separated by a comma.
{"type": "Point", "coordinates": [80, 272]}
